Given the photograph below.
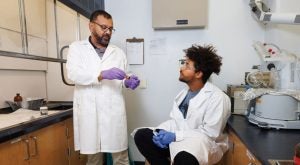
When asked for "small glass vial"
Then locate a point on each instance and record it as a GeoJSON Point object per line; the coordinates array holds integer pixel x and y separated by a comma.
{"type": "Point", "coordinates": [44, 110]}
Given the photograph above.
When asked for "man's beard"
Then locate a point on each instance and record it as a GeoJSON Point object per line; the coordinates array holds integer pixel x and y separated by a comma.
{"type": "Point", "coordinates": [183, 80]}
{"type": "Point", "coordinates": [102, 40]}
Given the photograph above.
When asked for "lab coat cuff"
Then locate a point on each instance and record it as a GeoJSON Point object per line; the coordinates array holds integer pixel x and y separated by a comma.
{"type": "Point", "coordinates": [179, 136]}
{"type": "Point", "coordinates": [96, 81]}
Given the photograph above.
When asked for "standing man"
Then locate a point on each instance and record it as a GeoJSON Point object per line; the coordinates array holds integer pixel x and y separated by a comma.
{"type": "Point", "coordinates": [98, 71]}
{"type": "Point", "coordinates": [194, 134]}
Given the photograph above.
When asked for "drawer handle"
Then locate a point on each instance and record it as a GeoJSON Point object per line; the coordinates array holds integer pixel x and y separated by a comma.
{"type": "Point", "coordinates": [27, 149]}
{"type": "Point", "coordinates": [35, 146]}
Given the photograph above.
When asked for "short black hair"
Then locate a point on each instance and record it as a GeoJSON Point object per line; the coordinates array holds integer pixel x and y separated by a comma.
{"type": "Point", "coordinates": [96, 13]}
{"type": "Point", "coordinates": [205, 60]}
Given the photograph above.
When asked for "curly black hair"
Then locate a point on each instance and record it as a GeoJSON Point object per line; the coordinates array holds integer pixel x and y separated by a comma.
{"type": "Point", "coordinates": [96, 13]}
{"type": "Point", "coordinates": [205, 60]}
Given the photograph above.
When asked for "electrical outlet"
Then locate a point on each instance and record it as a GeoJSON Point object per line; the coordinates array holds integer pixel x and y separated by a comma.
{"type": "Point", "coordinates": [143, 84]}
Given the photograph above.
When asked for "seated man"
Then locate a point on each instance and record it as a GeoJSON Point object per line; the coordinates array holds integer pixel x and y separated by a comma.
{"type": "Point", "coordinates": [194, 134]}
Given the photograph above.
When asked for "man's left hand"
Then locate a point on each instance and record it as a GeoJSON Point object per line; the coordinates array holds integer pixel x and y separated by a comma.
{"type": "Point", "coordinates": [132, 82]}
{"type": "Point", "coordinates": [166, 137]}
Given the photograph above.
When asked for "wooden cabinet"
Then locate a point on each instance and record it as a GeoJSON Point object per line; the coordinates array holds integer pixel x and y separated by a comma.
{"type": "Point", "coordinates": [53, 144]}
{"type": "Point", "coordinates": [15, 151]}
{"type": "Point", "coordinates": [238, 152]}
{"type": "Point", "coordinates": [49, 145]}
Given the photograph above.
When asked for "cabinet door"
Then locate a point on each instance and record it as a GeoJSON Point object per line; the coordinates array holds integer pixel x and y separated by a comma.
{"type": "Point", "coordinates": [10, 17]}
{"type": "Point", "coordinates": [241, 155]}
{"type": "Point", "coordinates": [229, 154]}
{"type": "Point", "coordinates": [49, 145]}
{"type": "Point", "coordinates": [15, 151]}
{"type": "Point", "coordinates": [75, 158]}
{"type": "Point", "coordinates": [35, 12]}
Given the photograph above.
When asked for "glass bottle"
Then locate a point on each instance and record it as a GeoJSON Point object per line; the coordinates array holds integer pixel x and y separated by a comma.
{"type": "Point", "coordinates": [18, 99]}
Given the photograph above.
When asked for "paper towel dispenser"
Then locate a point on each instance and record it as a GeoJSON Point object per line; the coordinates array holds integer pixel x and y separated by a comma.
{"type": "Point", "coordinates": [170, 14]}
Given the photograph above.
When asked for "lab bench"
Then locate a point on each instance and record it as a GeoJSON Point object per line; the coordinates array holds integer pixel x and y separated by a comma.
{"type": "Point", "coordinates": [48, 139]}
{"type": "Point", "coordinates": [261, 145]}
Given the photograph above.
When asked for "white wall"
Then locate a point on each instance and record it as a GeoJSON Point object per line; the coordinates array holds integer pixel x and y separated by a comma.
{"type": "Point", "coordinates": [230, 28]}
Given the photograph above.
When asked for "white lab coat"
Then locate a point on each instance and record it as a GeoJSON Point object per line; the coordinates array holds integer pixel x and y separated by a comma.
{"type": "Point", "coordinates": [201, 133]}
{"type": "Point", "coordinates": [99, 110]}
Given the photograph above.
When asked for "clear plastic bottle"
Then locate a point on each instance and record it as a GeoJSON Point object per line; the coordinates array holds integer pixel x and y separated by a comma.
{"type": "Point", "coordinates": [18, 99]}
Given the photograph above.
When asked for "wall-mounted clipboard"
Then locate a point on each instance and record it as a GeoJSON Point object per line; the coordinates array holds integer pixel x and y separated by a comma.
{"type": "Point", "coordinates": [135, 51]}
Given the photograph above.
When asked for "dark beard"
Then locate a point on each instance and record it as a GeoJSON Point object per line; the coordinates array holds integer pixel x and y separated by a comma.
{"type": "Point", "coordinates": [104, 40]}
{"type": "Point", "coordinates": [183, 80]}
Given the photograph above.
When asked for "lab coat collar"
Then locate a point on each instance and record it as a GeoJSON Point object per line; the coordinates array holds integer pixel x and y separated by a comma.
{"type": "Point", "coordinates": [207, 88]}
{"type": "Point", "coordinates": [110, 48]}
{"type": "Point", "coordinates": [201, 97]}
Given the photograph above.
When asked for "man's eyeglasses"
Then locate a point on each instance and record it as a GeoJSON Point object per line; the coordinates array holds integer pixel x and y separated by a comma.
{"type": "Point", "coordinates": [105, 28]}
{"type": "Point", "coordinates": [185, 65]}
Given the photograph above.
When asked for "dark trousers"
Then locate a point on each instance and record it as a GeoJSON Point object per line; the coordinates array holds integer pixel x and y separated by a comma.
{"type": "Point", "coordinates": [159, 156]}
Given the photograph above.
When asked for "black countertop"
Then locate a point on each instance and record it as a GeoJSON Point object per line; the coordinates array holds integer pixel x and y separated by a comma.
{"type": "Point", "coordinates": [263, 143]}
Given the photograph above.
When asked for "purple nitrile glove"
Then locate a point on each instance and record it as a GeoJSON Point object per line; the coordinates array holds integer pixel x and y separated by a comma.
{"type": "Point", "coordinates": [132, 82]}
{"type": "Point", "coordinates": [113, 73]}
{"type": "Point", "coordinates": [166, 137]}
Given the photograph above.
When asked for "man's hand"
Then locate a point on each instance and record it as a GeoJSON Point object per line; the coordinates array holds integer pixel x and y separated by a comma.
{"type": "Point", "coordinates": [157, 141]}
{"type": "Point", "coordinates": [163, 138]}
{"type": "Point", "coordinates": [113, 73]}
{"type": "Point", "coordinates": [166, 137]}
{"type": "Point", "coordinates": [132, 82]}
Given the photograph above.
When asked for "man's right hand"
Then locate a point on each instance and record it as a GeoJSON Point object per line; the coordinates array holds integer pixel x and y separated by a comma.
{"type": "Point", "coordinates": [157, 141]}
{"type": "Point", "coordinates": [113, 73]}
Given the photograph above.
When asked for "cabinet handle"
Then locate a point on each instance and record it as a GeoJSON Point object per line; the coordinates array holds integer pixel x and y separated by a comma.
{"type": "Point", "coordinates": [15, 140]}
{"type": "Point", "coordinates": [35, 146]}
{"type": "Point", "coordinates": [67, 132]}
{"type": "Point", "coordinates": [231, 146]}
{"type": "Point", "coordinates": [27, 149]}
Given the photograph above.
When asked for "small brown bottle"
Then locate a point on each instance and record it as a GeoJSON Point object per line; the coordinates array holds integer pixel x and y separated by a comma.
{"type": "Point", "coordinates": [18, 99]}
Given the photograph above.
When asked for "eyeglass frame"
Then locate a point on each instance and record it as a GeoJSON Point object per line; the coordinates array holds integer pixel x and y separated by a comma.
{"type": "Point", "coordinates": [104, 27]}
{"type": "Point", "coordinates": [182, 63]}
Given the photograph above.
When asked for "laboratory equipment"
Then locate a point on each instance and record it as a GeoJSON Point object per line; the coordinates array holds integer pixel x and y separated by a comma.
{"type": "Point", "coordinates": [274, 104]}
{"type": "Point", "coordinates": [238, 105]}
{"type": "Point", "coordinates": [275, 111]}
{"type": "Point", "coordinates": [263, 13]}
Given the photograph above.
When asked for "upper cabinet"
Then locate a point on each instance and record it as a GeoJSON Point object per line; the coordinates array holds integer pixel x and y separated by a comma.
{"type": "Point", "coordinates": [35, 12]}
{"type": "Point", "coordinates": [10, 28]}
{"type": "Point", "coordinates": [35, 15]}
{"type": "Point", "coordinates": [10, 15]}
{"type": "Point", "coordinates": [67, 25]}
{"type": "Point", "coordinates": [23, 27]}
{"type": "Point", "coordinates": [84, 30]}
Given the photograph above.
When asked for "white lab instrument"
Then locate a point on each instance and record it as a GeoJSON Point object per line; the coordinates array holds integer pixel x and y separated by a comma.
{"type": "Point", "coordinates": [275, 111]}
{"type": "Point", "coordinates": [276, 105]}
{"type": "Point", "coordinates": [262, 12]}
